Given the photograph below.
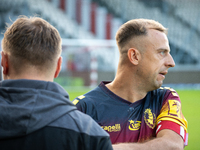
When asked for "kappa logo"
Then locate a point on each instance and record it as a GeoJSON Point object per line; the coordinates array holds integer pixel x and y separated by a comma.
{"type": "Point", "coordinates": [134, 125]}
{"type": "Point", "coordinates": [149, 118]}
{"type": "Point", "coordinates": [112, 128]}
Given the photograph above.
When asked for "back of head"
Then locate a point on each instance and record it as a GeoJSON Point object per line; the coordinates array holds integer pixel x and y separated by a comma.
{"type": "Point", "coordinates": [32, 42]}
{"type": "Point", "coordinates": [136, 28]}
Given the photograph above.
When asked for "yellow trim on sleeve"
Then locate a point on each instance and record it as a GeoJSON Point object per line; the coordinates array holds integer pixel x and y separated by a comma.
{"type": "Point", "coordinates": [75, 101]}
{"type": "Point", "coordinates": [182, 123]}
{"type": "Point", "coordinates": [81, 97]}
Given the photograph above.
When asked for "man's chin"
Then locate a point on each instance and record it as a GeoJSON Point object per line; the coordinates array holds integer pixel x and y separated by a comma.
{"type": "Point", "coordinates": [158, 85]}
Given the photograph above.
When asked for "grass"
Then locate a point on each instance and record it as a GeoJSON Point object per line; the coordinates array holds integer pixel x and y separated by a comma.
{"type": "Point", "coordinates": [76, 91]}
{"type": "Point", "coordinates": [73, 94]}
{"type": "Point", "coordinates": [190, 100]}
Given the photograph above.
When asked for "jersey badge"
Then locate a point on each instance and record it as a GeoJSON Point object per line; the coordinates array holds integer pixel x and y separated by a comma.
{"type": "Point", "coordinates": [174, 108]}
{"type": "Point", "coordinates": [134, 125]}
{"type": "Point", "coordinates": [150, 118]}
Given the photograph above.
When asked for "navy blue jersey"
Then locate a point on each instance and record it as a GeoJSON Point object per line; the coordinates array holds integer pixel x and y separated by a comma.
{"type": "Point", "coordinates": [134, 122]}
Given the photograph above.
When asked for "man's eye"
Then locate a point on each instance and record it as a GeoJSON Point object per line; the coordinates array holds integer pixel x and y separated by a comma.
{"type": "Point", "coordinates": [162, 52]}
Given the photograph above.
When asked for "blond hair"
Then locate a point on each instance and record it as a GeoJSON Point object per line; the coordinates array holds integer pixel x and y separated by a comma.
{"type": "Point", "coordinates": [134, 28]}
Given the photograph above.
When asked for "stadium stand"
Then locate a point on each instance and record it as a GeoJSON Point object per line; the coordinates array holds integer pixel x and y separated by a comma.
{"type": "Point", "coordinates": [182, 23]}
{"type": "Point", "coordinates": [67, 27]}
{"type": "Point", "coordinates": [73, 17]}
{"type": "Point", "coordinates": [100, 19]}
{"type": "Point", "coordinates": [183, 33]}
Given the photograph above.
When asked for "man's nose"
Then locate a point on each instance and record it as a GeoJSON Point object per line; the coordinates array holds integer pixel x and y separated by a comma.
{"type": "Point", "coordinates": [170, 61]}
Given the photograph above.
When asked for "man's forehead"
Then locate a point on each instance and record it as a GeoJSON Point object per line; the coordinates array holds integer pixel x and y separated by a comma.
{"type": "Point", "coordinates": [158, 39]}
{"type": "Point", "coordinates": [155, 32]}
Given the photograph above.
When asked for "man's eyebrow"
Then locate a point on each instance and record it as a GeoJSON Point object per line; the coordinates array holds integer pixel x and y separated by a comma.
{"type": "Point", "coordinates": [163, 49]}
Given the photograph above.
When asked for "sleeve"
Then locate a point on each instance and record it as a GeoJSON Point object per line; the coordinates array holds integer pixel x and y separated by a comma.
{"type": "Point", "coordinates": [171, 116]}
{"type": "Point", "coordinates": [81, 106]}
{"type": "Point", "coordinates": [86, 104]}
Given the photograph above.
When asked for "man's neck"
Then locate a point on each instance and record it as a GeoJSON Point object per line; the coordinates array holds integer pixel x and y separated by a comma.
{"type": "Point", "coordinates": [126, 91]}
{"type": "Point", "coordinates": [29, 77]}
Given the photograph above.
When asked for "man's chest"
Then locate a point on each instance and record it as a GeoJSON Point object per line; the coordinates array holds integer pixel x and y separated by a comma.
{"type": "Point", "coordinates": [128, 123]}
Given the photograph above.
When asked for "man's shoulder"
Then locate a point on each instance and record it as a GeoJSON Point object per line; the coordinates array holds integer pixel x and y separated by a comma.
{"type": "Point", "coordinates": [163, 90]}
{"type": "Point", "coordinates": [161, 95]}
{"type": "Point", "coordinates": [91, 96]}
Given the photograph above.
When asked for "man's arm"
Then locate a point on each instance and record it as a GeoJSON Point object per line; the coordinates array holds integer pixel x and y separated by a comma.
{"type": "Point", "coordinates": [166, 140]}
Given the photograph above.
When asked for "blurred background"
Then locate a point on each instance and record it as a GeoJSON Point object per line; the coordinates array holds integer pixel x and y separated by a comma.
{"type": "Point", "coordinates": [88, 29]}
{"type": "Point", "coordinates": [90, 55]}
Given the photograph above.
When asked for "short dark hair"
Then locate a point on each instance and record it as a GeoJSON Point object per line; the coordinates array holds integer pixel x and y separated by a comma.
{"type": "Point", "coordinates": [32, 40]}
{"type": "Point", "coordinates": [136, 27]}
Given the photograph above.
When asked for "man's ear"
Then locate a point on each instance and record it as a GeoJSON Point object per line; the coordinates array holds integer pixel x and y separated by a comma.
{"type": "Point", "coordinates": [4, 62]}
{"type": "Point", "coordinates": [58, 68]}
{"type": "Point", "coordinates": [133, 55]}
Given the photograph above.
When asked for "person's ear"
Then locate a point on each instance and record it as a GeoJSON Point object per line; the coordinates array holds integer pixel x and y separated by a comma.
{"type": "Point", "coordinates": [58, 68]}
{"type": "Point", "coordinates": [133, 55]}
{"type": "Point", "coordinates": [4, 62]}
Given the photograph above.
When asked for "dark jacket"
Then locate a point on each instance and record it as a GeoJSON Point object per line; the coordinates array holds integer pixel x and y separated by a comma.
{"type": "Point", "coordinates": [37, 115]}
